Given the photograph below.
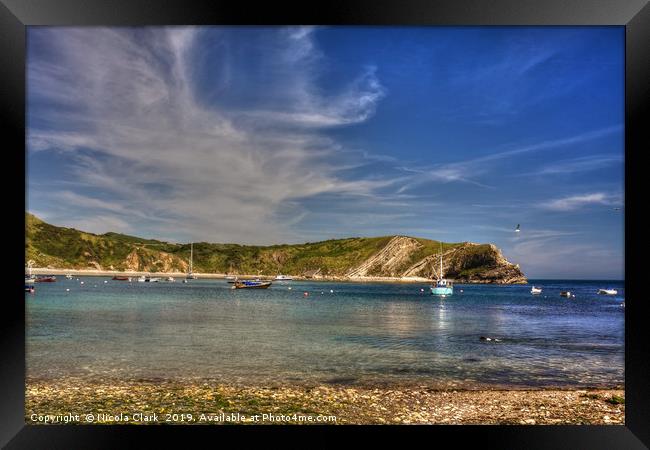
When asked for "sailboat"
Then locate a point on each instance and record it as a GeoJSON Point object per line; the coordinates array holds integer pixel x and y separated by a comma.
{"type": "Point", "coordinates": [443, 287]}
{"type": "Point", "coordinates": [29, 278]}
{"type": "Point", "coordinates": [190, 275]}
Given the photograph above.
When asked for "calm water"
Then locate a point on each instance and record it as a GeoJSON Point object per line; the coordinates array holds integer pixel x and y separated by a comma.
{"type": "Point", "coordinates": [357, 334]}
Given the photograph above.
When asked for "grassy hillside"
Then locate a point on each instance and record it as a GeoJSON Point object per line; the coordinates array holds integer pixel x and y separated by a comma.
{"type": "Point", "coordinates": [67, 248]}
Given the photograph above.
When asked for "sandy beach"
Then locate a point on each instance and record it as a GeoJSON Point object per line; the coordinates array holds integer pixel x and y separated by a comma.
{"type": "Point", "coordinates": [212, 402]}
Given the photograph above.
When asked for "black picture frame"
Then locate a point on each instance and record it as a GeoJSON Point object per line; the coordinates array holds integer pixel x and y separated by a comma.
{"type": "Point", "coordinates": [634, 15]}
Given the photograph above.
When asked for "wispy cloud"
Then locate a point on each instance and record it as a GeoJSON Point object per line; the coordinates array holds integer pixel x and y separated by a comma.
{"type": "Point", "coordinates": [469, 171]}
{"type": "Point", "coordinates": [578, 201]}
{"type": "Point", "coordinates": [577, 165]}
{"type": "Point", "coordinates": [127, 111]}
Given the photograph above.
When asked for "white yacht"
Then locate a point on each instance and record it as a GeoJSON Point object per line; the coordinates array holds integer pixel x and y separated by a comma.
{"type": "Point", "coordinates": [535, 290]}
{"type": "Point", "coordinates": [607, 291]}
{"type": "Point", "coordinates": [283, 278]}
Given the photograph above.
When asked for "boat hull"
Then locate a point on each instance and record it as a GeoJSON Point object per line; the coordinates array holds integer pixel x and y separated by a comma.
{"type": "Point", "coordinates": [241, 285]}
{"type": "Point", "coordinates": [607, 291]}
{"type": "Point", "coordinates": [442, 291]}
{"type": "Point", "coordinates": [46, 280]}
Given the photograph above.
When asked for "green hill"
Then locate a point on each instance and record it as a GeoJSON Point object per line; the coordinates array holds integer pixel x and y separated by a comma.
{"type": "Point", "coordinates": [387, 256]}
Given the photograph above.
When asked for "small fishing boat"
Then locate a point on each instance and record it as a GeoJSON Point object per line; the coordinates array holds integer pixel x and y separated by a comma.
{"type": "Point", "coordinates": [69, 277]}
{"type": "Point", "coordinates": [442, 287]}
{"type": "Point", "coordinates": [152, 279]}
{"type": "Point", "coordinates": [283, 278]}
{"type": "Point", "coordinates": [607, 291]}
{"type": "Point", "coordinates": [565, 294]}
{"type": "Point", "coordinates": [231, 277]}
{"type": "Point", "coordinates": [170, 279]}
{"type": "Point", "coordinates": [142, 279]}
{"type": "Point", "coordinates": [251, 284]}
{"type": "Point", "coordinates": [535, 290]}
{"type": "Point", "coordinates": [121, 278]}
{"type": "Point", "coordinates": [29, 288]}
{"type": "Point", "coordinates": [46, 279]}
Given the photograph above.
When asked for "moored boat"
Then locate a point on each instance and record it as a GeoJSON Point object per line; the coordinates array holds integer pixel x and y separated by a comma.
{"type": "Point", "coordinates": [170, 279]}
{"type": "Point", "coordinates": [29, 288]}
{"type": "Point", "coordinates": [442, 287]}
{"type": "Point", "coordinates": [565, 294]}
{"type": "Point", "coordinates": [535, 290]}
{"type": "Point", "coordinates": [68, 276]}
{"type": "Point", "coordinates": [46, 279]}
{"type": "Point", "coordinates": [283, 278]}
{"type": "Point", "coordinates": [121, 278]}
{"type": "Point", "coordinates": [607, 291]}
{"type": "Point", "coordinates": [190, 274]}
{"type": "Point", "coordinates": [29, 278]}
{"type": "Point", "coordinates": [251, 284]}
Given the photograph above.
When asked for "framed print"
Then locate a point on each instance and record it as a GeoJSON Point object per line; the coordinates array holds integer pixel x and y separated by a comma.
{"type": "Point", "coordinates": [338, 216]}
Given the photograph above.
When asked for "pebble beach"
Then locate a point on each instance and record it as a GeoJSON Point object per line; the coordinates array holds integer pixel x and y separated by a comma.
{"type": "Point", "coordinates": [211, 402]}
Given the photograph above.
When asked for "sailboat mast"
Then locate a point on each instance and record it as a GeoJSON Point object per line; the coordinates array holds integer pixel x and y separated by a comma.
{"type": "Point", "coordinates": [191, 255]}
{"type": "Point", "coordinates": [441, 260]}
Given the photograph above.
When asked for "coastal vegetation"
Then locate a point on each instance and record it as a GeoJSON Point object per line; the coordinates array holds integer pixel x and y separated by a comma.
{"type": "Point", "coordinates": [51, 246]}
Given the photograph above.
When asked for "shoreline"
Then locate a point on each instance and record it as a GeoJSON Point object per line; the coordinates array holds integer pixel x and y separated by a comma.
{"type": "Point", "coordinates": [219, 276]}
{"type": "Point", "coordinates": [110, 273]}
{"type": "Point", "coordinates": [348, 405]}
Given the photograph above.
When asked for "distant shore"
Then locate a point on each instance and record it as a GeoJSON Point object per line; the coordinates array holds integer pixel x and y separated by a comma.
{"type": "Point", "coordinates": [110, 273]}
{"type": "Point", "coordinates": [188, 402]}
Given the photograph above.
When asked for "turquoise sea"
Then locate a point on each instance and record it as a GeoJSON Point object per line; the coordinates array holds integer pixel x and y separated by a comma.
{"type": "Point", "coordinates": [342, 333]}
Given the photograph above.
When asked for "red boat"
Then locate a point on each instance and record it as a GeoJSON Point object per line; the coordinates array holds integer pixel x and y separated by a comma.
{"type": "Point", "coordinates": [120, 278]}
{"type": "Point", "coordinates": [45, 279]}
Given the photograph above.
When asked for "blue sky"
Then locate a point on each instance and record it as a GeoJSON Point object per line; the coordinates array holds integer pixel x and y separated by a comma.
{"type": "Point", "coordinates": [264, 135]}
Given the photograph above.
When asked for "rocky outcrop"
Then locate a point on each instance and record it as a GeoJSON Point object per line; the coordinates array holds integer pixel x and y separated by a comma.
{"type": "Point", "coordinates": [388, 260]}
{"type": "Point", "coordinates": [466, 263]}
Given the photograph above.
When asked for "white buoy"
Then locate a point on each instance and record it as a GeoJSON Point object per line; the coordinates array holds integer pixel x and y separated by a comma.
{"type": "Point", "coordinates": [331, 291]}
{"type": "Point", "coordinates": [67, 290]}
{"type": "Point", "coordinates": [289, 287]}
{"type": "Point", "coordinates": [81, 282]}
{"type": "Point", "coordinates": [105, 281]}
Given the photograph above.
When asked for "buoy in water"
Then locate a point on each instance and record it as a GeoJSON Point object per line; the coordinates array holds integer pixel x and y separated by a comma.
{"type": "Point", "coordinates": [105, 281]}
{"type": "Point", "coordinates": [331, 291]}
{"type": "Point", "coordinates": [421, 290]}
{"type": "Point", "coordinates": [67, 290]}
{"type": "Point", "coordinates": [81, 282]}
{"type": "Point", "coordinates": [289, 287]}
{"type": "Point", "coordinates": [306, 294]}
